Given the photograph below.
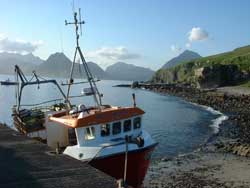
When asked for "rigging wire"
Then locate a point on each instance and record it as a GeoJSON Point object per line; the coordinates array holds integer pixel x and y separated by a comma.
{"type": "Point", "coordinates": [53, 100]}
{"type": "Point", "coordinates": [31, 78]}
{"type": "Point", "coordinates": [61, 40]}
{"type": "Point", "coordinates": [41, 77]}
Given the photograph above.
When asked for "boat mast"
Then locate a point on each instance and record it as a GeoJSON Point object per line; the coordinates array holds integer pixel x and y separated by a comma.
{"type": "Point", "coordinates": [97, 96]}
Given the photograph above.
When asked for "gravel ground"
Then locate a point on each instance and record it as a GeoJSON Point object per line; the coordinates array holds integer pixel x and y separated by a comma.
{"type": "Point", "coordinates": [212, 165]}
{"type": "Point", "coordinates": [208, 167]}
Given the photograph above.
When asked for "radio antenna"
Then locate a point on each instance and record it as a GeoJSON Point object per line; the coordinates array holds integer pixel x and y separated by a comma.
{"type": "Point", "coordinates": [80, 18]}
{"type": "Point", "coordinates": [97, 96]}
{"type": "Point", "coordinates": [73, 6]}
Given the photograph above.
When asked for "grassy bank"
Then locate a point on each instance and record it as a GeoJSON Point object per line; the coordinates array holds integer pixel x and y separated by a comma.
{"type": "Point", "coordinates": [230, 68]}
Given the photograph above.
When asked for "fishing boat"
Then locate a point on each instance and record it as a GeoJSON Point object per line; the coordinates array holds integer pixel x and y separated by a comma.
{"type": "Point", "coordinates": [30, 119]}
{"type": "Point", "coordinates": [8, 82]}
{"type": "Point", "coordinates": [110, 138]}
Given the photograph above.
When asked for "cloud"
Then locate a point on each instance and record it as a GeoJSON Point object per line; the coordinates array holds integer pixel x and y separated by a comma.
{"type": "Point", "coordinates": [116, 53]}
{"type": "Point", "coordinates": [175, 48]}
{"type": "Point", "coordinates": [2, 36]}
{"type": "Point", "coordinates": [18, 45]}
{"type": "Point", "coordinates": [197, 34]}
{"type": "Point", "coordinates": [106, 56]}
{"type": "Point", "coordinates": [188, 45]}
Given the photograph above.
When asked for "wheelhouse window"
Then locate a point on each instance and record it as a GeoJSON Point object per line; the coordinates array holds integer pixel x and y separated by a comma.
{"type": "Point", "coordinates": [90, 133]}
{"type": "Point", "coordinates": [137, 123]}
{"type": "Point", "coordinates": [105, 130]}
{"type": "Point", "coordinates": [116, 128]}
{"type": "Point", "coordinates": [127, 125]}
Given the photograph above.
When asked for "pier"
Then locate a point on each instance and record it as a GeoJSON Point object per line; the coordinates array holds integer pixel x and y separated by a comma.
{"type": "Point", "coordinates": [25, 162]}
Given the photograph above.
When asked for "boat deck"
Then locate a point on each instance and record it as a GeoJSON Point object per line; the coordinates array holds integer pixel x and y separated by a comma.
{"type": "Point", "coordinates": [28, 163]}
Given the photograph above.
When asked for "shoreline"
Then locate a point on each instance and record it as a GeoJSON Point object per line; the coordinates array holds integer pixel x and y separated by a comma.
{"type": "Point", "coordinates": [217, 121]}
{"type": "Point", "coordinates": [224, 159]}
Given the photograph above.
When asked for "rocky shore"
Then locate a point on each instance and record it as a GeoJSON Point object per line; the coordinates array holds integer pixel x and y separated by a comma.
{"type": "Point", "coordinates": [224, 161]}
{"type": "Point", "coordinates": [236, 106]}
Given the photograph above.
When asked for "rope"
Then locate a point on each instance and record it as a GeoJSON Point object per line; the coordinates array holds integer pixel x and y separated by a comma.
{"type": "Point", "coordinates": [120, 143]}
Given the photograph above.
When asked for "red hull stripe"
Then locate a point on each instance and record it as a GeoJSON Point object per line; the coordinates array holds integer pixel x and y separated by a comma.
{"type": "Point", "coordinates": [138, 162]}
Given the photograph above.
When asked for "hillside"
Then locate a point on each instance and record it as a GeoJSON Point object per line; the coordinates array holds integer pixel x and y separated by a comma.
{"type": "Point", "coordinates": [124, 71]}
{"type": "Point", "coordinates": [230, 68]}
{"type": "Point", "coordinates": [185, 56]}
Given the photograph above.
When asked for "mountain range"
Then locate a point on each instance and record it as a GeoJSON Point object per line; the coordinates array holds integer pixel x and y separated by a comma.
{"type": "Point", "coordinates": [123, 71]}
{"type": "Point", "coordinates": [229, 68]}
{"type": "Point", "coordinates": [59, 65]}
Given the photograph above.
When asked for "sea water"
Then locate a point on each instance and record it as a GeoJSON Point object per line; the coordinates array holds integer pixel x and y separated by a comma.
{"type": "Point", "coordinates": [178, 126]}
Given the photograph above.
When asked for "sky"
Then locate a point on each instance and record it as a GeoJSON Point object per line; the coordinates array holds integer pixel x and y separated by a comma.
{"type": "Point", "coordinates": [142, 32]}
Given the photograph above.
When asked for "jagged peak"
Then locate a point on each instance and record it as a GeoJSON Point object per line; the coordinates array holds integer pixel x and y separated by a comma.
{"type": "Point", "coordinates": [187, 55]}
{"type": "Point", "coordinates": [58, 55]}
{"type": "Point", "coordinates": [187, 52]}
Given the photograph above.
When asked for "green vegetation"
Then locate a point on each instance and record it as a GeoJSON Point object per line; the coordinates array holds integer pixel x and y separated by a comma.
{"type": "Point", "coordinates": [224, 65]}
{"type": "Point", "coordinates": [239, 57]}
{"type": "Point", "coordinates": [245, 84]}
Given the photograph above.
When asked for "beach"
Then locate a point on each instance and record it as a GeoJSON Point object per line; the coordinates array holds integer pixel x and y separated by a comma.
{"type": "Point", "coordinates": [209, 166]}
{"type": "Point", "coordinates": [224, 159]}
